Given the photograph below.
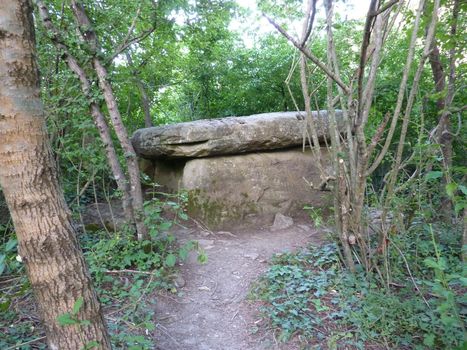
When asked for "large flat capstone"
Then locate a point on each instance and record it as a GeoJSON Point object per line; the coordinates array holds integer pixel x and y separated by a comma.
{"type": "Point", "coordinates": [233, 135]}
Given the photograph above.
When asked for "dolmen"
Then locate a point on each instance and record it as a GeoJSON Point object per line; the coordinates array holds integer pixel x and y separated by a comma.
{"type": "Point", "coordinates": [238, 170]}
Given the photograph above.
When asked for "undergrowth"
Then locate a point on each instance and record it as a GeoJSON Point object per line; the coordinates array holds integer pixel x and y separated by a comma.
{"type": "Point", "coordinates": [308, 296]}
{"type": "Point", "coordinates": [125, 273]}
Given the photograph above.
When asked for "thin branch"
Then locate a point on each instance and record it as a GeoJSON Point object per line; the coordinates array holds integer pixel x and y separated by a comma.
{"type": "Point", "coordinates": [410, 273]}
{"type": "Point", "coordinates": [130, 42]}
{"type": "Point", "coordinates": [309, 55]}
{"type": "Point", "coordinates": [379, 133]}
{"type": "Point", "coordinates": [363, 53]}
{"type": "Point", "coordinates": [18, 346]}
{"type": "Point", "coordinates": [384, 8]}
{"type": "Point", "coordinates": [405, 122]}
{"type": "Point", "coordinates": [132, 27]}
{"type": "Point", "coordinates": [137, 272]}
{"type": "Point", "coordinates": [401, 94]}
{"type": "Point", "coordinates": [310, 20]}
{"type": "Point", "coordinates": [364, 103]}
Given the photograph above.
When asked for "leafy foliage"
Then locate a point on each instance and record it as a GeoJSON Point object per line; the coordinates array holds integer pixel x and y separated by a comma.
{"type": "Point", "coordinates": [309, 294]}
{"type": "Point", "coordinates": [125, 272]}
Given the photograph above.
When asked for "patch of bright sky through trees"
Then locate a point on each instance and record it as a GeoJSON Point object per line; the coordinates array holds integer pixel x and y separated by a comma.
{"type": "Point", "coordinates": [255, 26]}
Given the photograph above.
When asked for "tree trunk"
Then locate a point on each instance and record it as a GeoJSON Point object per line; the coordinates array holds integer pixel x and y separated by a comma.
{"type": "Point", "coordinates": [98, 116]}
{"type": "Point", "coordinates": [90, 38]}
{"type": "Point", "coordinates": [438, 74]}
{"type": "Point", "coordinates": [47, 239]}
{"type": "Point", "coordinates": [444, 129]}
{"type": "Point", "coordinates": [144, 96]}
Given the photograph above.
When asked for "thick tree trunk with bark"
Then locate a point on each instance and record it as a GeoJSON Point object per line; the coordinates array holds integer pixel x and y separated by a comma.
{"type": "Point", "coordinates": [47, 239]}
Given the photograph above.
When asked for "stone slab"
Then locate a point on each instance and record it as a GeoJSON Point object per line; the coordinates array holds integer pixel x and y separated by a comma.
{"type": "Point", "coordinates": [232, 135]}
{"type": "Point", "coordinates": [236, 190]}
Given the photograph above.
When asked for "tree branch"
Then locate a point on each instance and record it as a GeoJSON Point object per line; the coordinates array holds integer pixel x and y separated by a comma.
{"type": "Point", "coordinates": [384, 8]}
{"type": "Point", "coordinates": [361, 69]}
{"type": "Point", "coordinates": [130, 42]}
{"type": "Point", "coordinates": [401, 94]}
{"type": "Point", "coordinates": [309, 55]}
{"type": "Point", "coordinates": [310, 20]}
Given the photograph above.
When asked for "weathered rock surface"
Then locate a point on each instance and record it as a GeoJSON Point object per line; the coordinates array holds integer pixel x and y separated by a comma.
{"type": "Point", "coordinates": [108, 216]}
{"type": "Point", "coordinates": [233, 135]}
{"type": "Point", "coordinates": [229, 191]}
{"type": "Point", "coordinates": [281, 222]}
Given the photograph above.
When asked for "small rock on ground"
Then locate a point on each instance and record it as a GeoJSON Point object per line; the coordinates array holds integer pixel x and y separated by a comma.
{"type": "Point", "coordinates": [281, 222]}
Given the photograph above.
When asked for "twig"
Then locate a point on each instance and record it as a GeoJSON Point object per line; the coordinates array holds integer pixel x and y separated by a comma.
{"type": "Point", "coordinates": [132, 27]}
{"type": "Point", "coordinates": [164, 330]}
{"type": "Point", "coordinates": [136, 39]}
{"type": "Point", "coordinates": [235, 315]}
{"type": "Point", "coordinates": [215, 289]}
{"type": "Point", "coordinates": [409, 271]}
{"type": "Point", "coordinates": [309, 55]}
{"type": "Point", "coordinates": [310, 20]}
{"type": "Point", "coordinates": [384, 8]}
{"type": "Point", "coordinates": [130, 271]}
{"type": "Point", "coordinates": [22, 344]}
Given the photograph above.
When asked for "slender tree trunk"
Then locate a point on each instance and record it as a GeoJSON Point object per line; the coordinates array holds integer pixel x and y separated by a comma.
{"type": "Point", "coordinates": [130, 154]}
{"type": "Point", "coordinates": [444, 124]}
{"type": "Point", "coordinates": [89, 36]}
{"type": "Point", "coordinates": [144, 96]}
{"type": "Point", "coordinates": [98, 116]}
{"type": "Point", "coordinates": [438, 74]}
{"type": "Point", "coordinates": [444, 134]}
{"type": "Point", "coordinates": [47, 240]}
{"type": "Point", "coordinates": [145, 103]}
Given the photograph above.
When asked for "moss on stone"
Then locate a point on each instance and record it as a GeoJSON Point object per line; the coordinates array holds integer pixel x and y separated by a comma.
{"type": "Point", "coordinates": [216, 212]}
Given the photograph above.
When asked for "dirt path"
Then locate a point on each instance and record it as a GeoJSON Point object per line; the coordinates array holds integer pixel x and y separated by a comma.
{"type": "Point", "coordinates": [211, 312]}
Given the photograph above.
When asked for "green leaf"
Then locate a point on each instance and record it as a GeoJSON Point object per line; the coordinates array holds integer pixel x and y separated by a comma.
{"type": "Point", "coordinates": [91, 345]}
{"type": "Point", "coordinates": [463, 189]}
{"type": "Point", "coordinates": [433, 175]}
{"type": "Point", "coordinates": [77, 306]}
{"type": "Point", "coordinates": [2, 263]}
{"type": "Point", "coordinates": [149, 326]}
{"type": "Point", "coordinates": [202, 257]}
{"type": "Point", "coordinates": [170, 260]}
{"type": "Point", "coordinates": [429, 340]}
{"type": "Point", "coordinates": [4, 306]}
{"type": "Point", "coordinates": [459, 206]}
{"type": "Point", "coordinates": [183, 254]}
{"type": "Point", "coordinates": [165, 226]}
{"type": "Point", "coordinates": [11, 244]}
{"type": "Point", "coordinates": [66, 319]}
{"type": "Point", "coordinates": [451, 189]}
{"type": "Point", "coordinates": [429, 262]}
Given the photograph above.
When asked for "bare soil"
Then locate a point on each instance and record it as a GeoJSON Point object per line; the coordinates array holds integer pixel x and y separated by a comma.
{"type": "Point", "coordinates": [211, 310]}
